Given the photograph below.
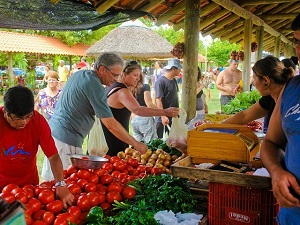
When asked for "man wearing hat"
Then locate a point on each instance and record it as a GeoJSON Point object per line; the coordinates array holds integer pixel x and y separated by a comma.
{"type": "Point", "coordinates": [166, 90]}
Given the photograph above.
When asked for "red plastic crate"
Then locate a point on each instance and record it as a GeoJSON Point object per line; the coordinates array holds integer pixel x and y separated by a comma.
{"type": "Point", "coordinates": [236, 205]}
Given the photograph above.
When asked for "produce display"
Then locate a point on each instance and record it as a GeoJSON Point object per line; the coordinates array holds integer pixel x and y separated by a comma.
{"type": "Point", "coordinates": [98, 191]}
{"type": "Point", "coordinates": [241, 102]}
{"type": "Point", "coordinates": [159, 156]}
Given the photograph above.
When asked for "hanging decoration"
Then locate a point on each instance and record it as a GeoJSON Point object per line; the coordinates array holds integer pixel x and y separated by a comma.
{"type": "Point", "coordinates": [178, 50]}
{"type": "Point", "coordinates": [254, 46]}
{"type": "Point", "coordinates": [234, 55]}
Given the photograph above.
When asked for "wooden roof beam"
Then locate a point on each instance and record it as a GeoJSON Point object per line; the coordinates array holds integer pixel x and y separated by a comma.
{"type": "Point", "coordinates": [152, 5]}
{"type": "Point", "coordinates": [229, 29]}
{"type": "Point", "coordinates": [169, 14]}
{"type": "Point", "coordinates": [231, 6]}
{"type": "Point", "coordinates": [278, 16]}
{"type": "Point", "coordinates": [220, 25]}
{"type": "Point", "coordinates": [207, 21]}
{"type": "Point", "coordinates": [232, 34]}
{"type": "Point", "coordinates": [264, 2]}
{"type": "Point", "coordinates": [103, 7]}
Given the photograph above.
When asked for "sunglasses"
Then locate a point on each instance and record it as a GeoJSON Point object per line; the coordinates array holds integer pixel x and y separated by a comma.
{"type": "Point", "coordinates": [131, 63]}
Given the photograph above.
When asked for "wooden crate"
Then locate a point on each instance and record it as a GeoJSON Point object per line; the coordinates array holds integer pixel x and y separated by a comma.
{"type": "Point", "coordinates": [185, 168]}
{"type": "Point", "coordinates": [221, 145]}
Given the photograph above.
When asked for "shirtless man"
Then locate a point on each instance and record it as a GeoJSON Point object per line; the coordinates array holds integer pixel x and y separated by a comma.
{"type": "Point", "coordinates": [228, 82]}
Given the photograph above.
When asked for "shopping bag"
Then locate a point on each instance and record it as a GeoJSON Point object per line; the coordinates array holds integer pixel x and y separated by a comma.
{"type": "Point", "coordinates": [96, 144]}
{"type": "Point", "coordinates": [178, 132]}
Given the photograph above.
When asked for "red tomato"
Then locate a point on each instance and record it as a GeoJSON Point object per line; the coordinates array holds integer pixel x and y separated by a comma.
{"type": "Point", "coordinates": [101, 188]}
{"type": "Point", "coordinates": [8, 188]}
{"type": "Point", "coordinates": [94, 199]}
{"type": "Point", "coordinates": [115, 174]}
{"type": "Point", "coordinates": [47, 184]}
{"type": "Point", "coordinates": [142, 175]}
{"type": "Point", "coordinates": [39, 222]}
{"type": "Point", "coordinates": [83, 174]}
{"type": "Point", "coordinates": [75, 199]}
{"type": "Point", "coordinates": [75, 211]}
{"type": "Point", "coordinates": [8, 197]}
{"type": "Point", "coordinates": [38, 215]}
{"type": "Point", "coordinates": [56, 206]}
{"type": "Point", "coordinates": [60, 221]}
{"type": "Point", "coordinates": [28, 209]}
{"type": "Point", "coordinates": [82, 183]}
{"type": "Point", "coordinates": [113, 195]}
{"type": "Point", "coordinates": [93, 178]}
{"type": "Point", "coordinates": [107, 157]}
{"type": "Point", "coordinates": [90, 187]}
{"type": "Point", "coordinates": [148, 169]}
{"type": "Point", "coordinates": [114, 159]}
{"type": "Point", "coordinates": [141, 168]}
{"type": "Point", "coordinates": [71, 169]}
{"type": "Point", "coordinates": [65, 174]}
{"type": "Point", "coordinates": [48, 217]}
{"type": "Point", "coordinates": [120, 165]}
{"type": "Point", "coordinates": [108, 166]}
{"type": "Point", "coordinates": [105, 206]}
{"type": "Point", "coordinates": [38, 189]}
{"type": "Point", "coordinates": [21, 196]}
{"type": "Point", "coordinates": [114, 186]}
{"type": "Point", "coordinates": [16, 190]}
{"type": "Point", "coordinates": [75, 189]}
{"type": "Point", "coordinates": [46, 196]}
{"type": "Point", "coordinates": [129, 167]}
{"type": "Point", "coordinates": [28, 219]}
{"type": "Point", "coordinates": [64, 217]}
{"type": "Point", "coordinates": [83, 203]}
{"type": "Point", "coordinates": [134, 172]}
{"type": "Point", "coordinates": [128, 192]}
{"type": "Point", "coordinates": [122, 176]}
{"type": "Point", "coordinates": [100, 172]}
{"type": "Point", "coordinates": [101, 198]}
{"type": "Point", "coordinates": [29, 193]}
{"type": "Point", "coordinates": [133, 162]}
{"type": "Point", "coordinates": [156, 171]}
{"type": "Point", "coordinates": [35, 204]}
{"type": "Point", "coordinates": [29, 186]}
{"type": "Point", "coordinates": [106, 179]}
{"type": "Point", "coordinates": [74, 177]}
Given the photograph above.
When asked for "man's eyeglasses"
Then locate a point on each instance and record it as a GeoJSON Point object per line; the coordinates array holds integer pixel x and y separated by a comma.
{"type": "Point", "coordinates": [113, 74]}
{"type": "Point", "coordinates": [27, 117]}
{"type": "Point", "coordinates": [296, 42]}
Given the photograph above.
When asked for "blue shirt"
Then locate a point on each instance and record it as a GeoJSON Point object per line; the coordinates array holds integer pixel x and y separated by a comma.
{"type": "Point", "coordinates": [290, 116]}
{"type": "Point", "coordinates": [82, 97]}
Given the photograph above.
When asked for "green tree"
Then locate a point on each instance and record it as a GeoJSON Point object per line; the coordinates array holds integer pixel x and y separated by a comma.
{"type": "Point", "coordinates": [219, 51]}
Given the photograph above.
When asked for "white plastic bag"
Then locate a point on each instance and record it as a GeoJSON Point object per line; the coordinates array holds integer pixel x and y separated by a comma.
{"type": "Point", "coordinates": [178, 132]}
{"type": "Point", "coordinates": [96, 144]}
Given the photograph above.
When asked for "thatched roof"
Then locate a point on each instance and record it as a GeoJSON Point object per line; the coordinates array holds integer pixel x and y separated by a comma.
{"type": "Point", "coordinates": [134, 42]}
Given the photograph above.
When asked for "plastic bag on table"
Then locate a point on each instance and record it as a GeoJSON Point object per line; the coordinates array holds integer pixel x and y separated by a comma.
{"type": "Point", "coordinates": [178, 132]}
{"type": "Point", "coordinates": [96, 144]}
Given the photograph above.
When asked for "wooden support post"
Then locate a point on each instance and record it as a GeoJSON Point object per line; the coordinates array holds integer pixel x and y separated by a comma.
{"type": "Point", "coordinates": [247, 54]}
{"type": "Point", "coordinates": [260, 42]}
{"type": "Point", "coordinates": [10, 69]}
{"type": "Point", "coordinates": [277, 46]}
{"type": "Point", "coordinates": [190, 60]}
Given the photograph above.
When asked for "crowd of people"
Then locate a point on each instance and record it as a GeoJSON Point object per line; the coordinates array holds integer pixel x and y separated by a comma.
{"type": "Point", "coordinates": [112, 90]}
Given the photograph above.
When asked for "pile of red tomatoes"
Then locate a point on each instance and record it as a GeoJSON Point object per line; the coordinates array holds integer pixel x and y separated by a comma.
{"type": "Point", "coordinates": [89, 187]}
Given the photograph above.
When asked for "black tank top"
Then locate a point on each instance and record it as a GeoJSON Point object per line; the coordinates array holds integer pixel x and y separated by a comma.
{"type": "Point", "coordinates": [122, 116]}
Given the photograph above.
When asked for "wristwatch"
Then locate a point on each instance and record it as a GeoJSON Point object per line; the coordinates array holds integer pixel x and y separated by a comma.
{"type": "Point", "coordinates": [61, 183]}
